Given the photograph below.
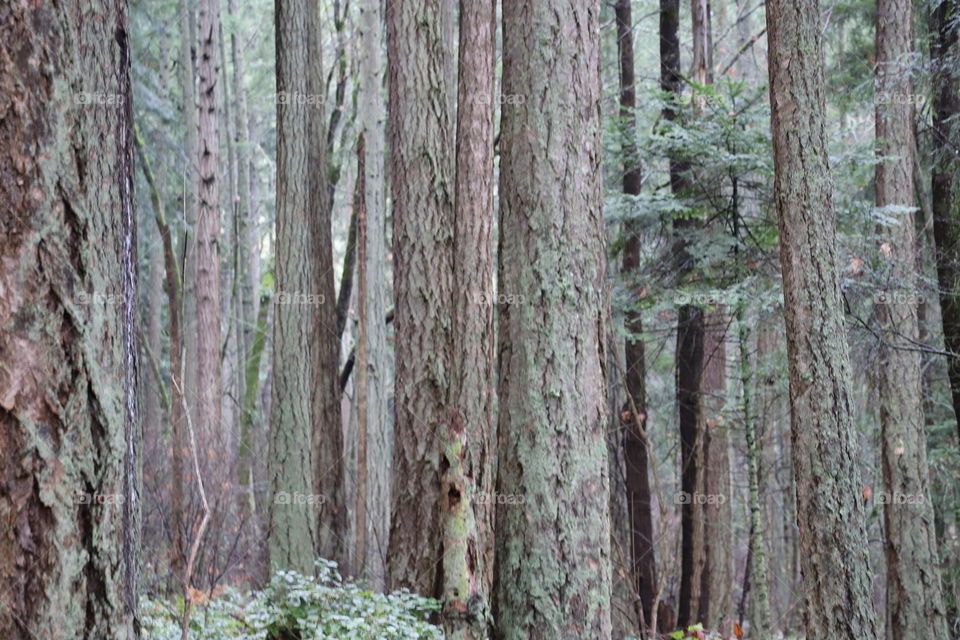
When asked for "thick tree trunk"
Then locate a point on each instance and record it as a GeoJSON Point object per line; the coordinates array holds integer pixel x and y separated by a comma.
{"type": "Point", "coordinates": [466, 461]}
{"type": "Point", "coordinates": [293, 521]}
{"type": "Point", "coordinates": [328, 456]}
{"type": "Point", "coordinates": [914, 597]}
{"type": "Point", "coordinates": [69, 429]}
{"type": "Point", "coordinates": [833, 553]}
{"type": "Point", "coordinates": [379, 425]}
{"type": "Point", "coordinates": [635, 446]}
{"type": "Point", "coordinates": [552, 575]}
{"type": "Point", "coordinates": [422, 185]}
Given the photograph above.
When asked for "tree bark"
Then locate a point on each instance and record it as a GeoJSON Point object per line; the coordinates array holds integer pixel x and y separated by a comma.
{"type": "Point", "coordinates": [211, 434]}
{"type": "Point", "coordinates": [329, 473]}
{"type": "Point", "coordinates": [644, 567]}
{"type": "Point", "coordinates": [833, 555]}
{"type": "Point", "coordinates": [914, 596]}
{"type": "Point", "coordinates": [466, 463]}
{"type": "Point", "coordinates": [945, 195]}
{"type": "Point", "coordinates": [552, 575]}
{"type": "Point", "coordinates": [422, 187]}
{"type": "Point", "coordinates": [293, 517]}
{"type": "Point", "coordinates": [379, 426]}
{"type": "Point", "coordinates": [69, 424]}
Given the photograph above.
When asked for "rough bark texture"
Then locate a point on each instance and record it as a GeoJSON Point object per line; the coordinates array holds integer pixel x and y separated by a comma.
{"type": "Point", "coordinates": [914, 596]}
{"type": "Point", "coordinates": [642, 551]}
{"type": "Point", "coordinates": [293, 519]}
{"type": "Point", "coordinates": [716, 606]}
{"type": "Point", "coordinates": [328, 445]}
{"type": "Point", "coordinates": [552, 575]}
{"type": "Point", "coordinates": [373, 122]}
{"type": "Point", "coordinates": [945, 178]}
{"type": "Point", "coordinates": [211, 434]}
{"type": "Point", "coordinates": [422, 188]}
{"type": "Point", "coordinates": [466, 465]}
{"type": "Point", "coordinates": [69, 431]}
{"type": "Point", "coordinates": [833, 554]}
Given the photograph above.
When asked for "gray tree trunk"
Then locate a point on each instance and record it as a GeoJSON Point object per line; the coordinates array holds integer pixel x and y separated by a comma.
{"type": "Point", "coordinates": [914, 596]}
{"type": "Point", "coordinates": [422, 187]}
{"type": "Point", "coordinates": [69, 429]}
{"type": "Point", "coordinates": [552, 575]}
{"type": "Point", "coordinates": [833, 553]}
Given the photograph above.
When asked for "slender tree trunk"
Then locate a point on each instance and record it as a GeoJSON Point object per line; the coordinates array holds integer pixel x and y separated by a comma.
{"type": "Point", "coordinates": [188, 245]}
{"type": "Point", "coordinates": [466, 461]}
{"type": "Point", "coordinates": [206, 413]}
{"type": "Point", "coordinates": [644, 567]}
{"type": "Point", "coordinates": [379, 425]}
{"type": "Point", "coordinates": [833, 553]}
{"type": "Point", "coordinates": [716, 605]}
{"type": "Point", "coordinates": [329, 474]}
{"type": "Point", "coordinates": [914, 597]}
{"type": "Point", "coordinates": [757, 558]}
{"type": "Point", "coordinates": [552, 577]}
{"type": "Point", "coordinates": [69, 424]}
{"type": "Point", "coordinates": [945, 178]}
{"type": "Point", "coordinates": [422, 186]}
{"type": "Point", "coordinates": [293, 519]}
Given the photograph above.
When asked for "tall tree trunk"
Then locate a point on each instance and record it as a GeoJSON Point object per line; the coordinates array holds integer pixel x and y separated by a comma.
{"type": "Point", "coordinates": [422, 187]}
{"type": "Point", "coordinates": [188, 245]}
{"type": "Point", "coordinates": [379, 425]}
{"type": "Point", "coordinates": [293, 522]}
{"type": "Point", "coordinates": [757, 558]}
{"type": "Point", "coordinates": [636, 454]}
{"type": "Point", "coordinates": [552, 575]}
{"type": "Point", "coordinates": [945, 178]}
{"type": "Point", "coordinates": [206, 413]}
{"type": "Point", "coordinates": [328, 445]}
{"type": "Point", "coordinates": [833, 553]}
{"type": "Point", "coordinates": [914, 597]}
{"type": "Point", "coordinates": [69, 429]}
{"type": "Point", "coordinates": [466, 460]}
{"type": "Point", "coordinates": [716, 606]}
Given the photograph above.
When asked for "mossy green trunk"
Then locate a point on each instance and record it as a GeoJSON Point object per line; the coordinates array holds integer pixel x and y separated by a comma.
{"type": "Point", "coordinates": [552, 574]}
{"type": "Point", "coordinates": [69, 432]}
{"type": "Point", "coordinates": [832, 530]}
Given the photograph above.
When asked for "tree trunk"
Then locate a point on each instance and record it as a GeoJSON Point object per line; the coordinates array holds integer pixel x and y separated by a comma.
{"type": "Point", "coordinates": [644, 567]}
{"type": "Point", "coordinates": [379, 425]}
{"type": "Point", "coordinates": [945, 178]}
{"type": "Point", "coordinates": [211, 434]}
{"type": "Point", "coordinates": [69, 429]}
{"type": "Point", "coordinates": [293, 522]}
{"type": "Point", "coordinates": [914, 597]}
{"type": "Point", "coordinates": [329, 474]}
{"type": "Point", "coordinates": [552, 577]}
{"type": "Point", "coordinates": [757, 558]}
{"type": "Point", "coordinates": [422, 186]}
{"type": "Point", "coordinates": [833, 553]}
{"type": "Point", "coordinates": [466, 461]}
